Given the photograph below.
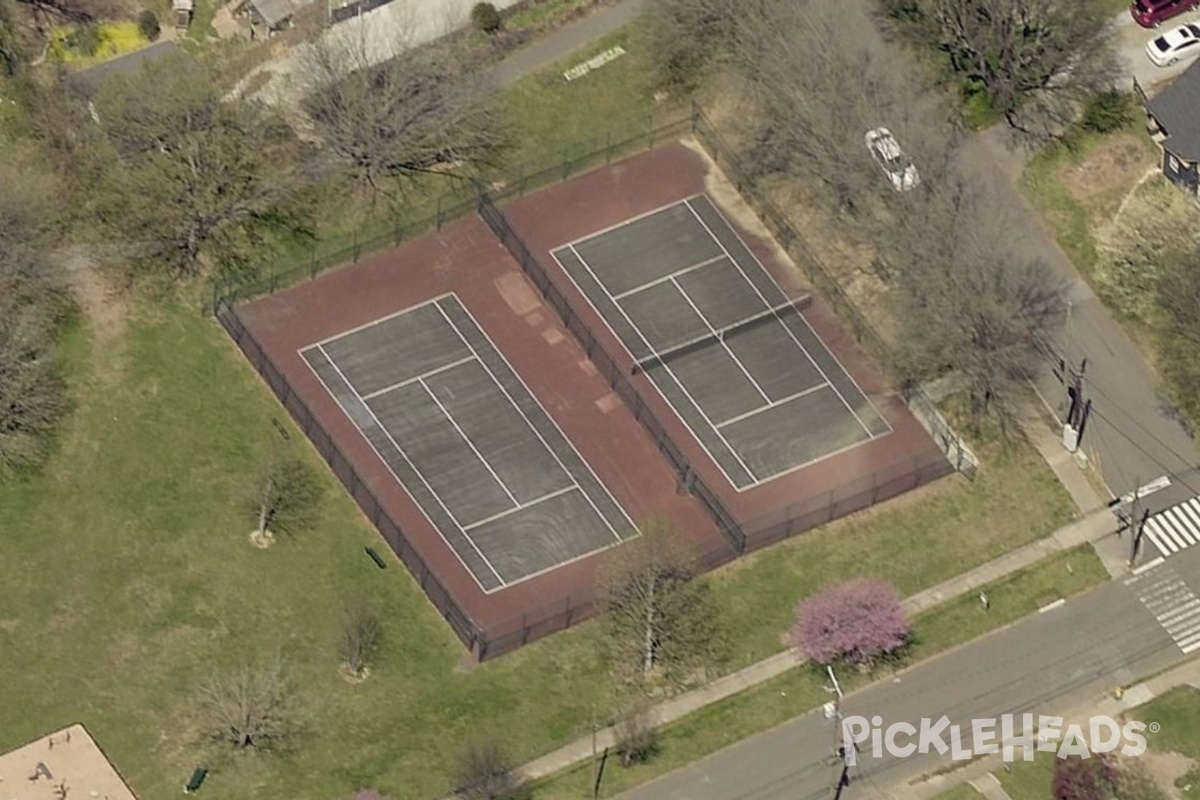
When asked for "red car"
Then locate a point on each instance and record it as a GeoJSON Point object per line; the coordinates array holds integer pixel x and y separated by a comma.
{"type": "Point", "coordinates": [1149, 13]}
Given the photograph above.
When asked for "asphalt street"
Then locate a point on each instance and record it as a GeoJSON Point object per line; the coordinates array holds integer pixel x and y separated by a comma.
{"type": "Point", "coordinates": [1051, 663]}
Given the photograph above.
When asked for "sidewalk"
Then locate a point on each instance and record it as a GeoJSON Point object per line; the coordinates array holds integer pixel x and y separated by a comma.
{"type": "Point", "coordinates": [565, 41]}
{"type": "Point", "coordinates": [1091, 528]}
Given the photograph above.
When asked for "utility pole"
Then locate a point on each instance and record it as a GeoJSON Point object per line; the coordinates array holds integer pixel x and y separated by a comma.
{"type": "Point", "coordinates": [839, 737]}
{"type": "Point", "coordinates": [1137, 521]}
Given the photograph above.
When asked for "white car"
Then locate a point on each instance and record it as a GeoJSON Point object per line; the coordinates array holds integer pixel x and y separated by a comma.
{"type": "Point", "coordinates": [1177, 43]}
{"type": "Point", "coordinates": [896, 165]}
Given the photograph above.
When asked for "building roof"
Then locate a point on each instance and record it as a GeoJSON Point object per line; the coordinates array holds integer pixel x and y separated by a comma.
{"type": "Point", "coordinates": [90, 80]}
{"type": "Point", "coordinates": [183, 5]}
{"type": "Point", "coordinates": [1177, 110]}
{"type": "Point", "coordinates": [273, 12]}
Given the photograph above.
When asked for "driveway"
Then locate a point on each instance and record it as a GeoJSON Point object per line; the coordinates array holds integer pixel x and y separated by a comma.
{"type": "Point", "coordinates": [1131, 44]}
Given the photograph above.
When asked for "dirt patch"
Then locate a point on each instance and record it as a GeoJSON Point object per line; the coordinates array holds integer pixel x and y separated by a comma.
{"type": "Point", "coordinates": [1164, 769]}
{"type": "Point", "coordinates": [1106, 172]}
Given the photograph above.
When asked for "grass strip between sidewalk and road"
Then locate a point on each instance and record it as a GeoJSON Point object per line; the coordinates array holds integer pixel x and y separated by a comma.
{"type": "Point", "coordinates": [774, 702]}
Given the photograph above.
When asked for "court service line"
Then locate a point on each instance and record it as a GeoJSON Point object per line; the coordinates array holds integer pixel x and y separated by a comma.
{"type": "Point", "coordinates": [470, 444]}
{"type": "Point", "coordinates": [764, 299]}
{"type": "Point", "coordinates": [621, 224]}
{"type": "Point", "coordinates": [692, 268]}
{"type": "Point", "coordinates": [675, 378]}
{"type": "Point", "coordinates": [420, 377]}
{"type": "Point", "coordinates": [412, 466]}
{"type": "Point", "coordinates": [545, 413]}
{"type": "Point", "coordinates": [774, 403]}
{"type": "Point", "coordinates": [371, 324]}
{"type": "Point", "coordinates": [522, 506]}
{"type": "Point", "coordinates": [720, 341]}
{"type": "Point", "coordinates": [812, 330]}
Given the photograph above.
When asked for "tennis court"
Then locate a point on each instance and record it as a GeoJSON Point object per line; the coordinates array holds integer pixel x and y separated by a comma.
{"type": "Point", "coordinates": [721, 341]}
{"type": "Point", "coordinates": [470, 443]}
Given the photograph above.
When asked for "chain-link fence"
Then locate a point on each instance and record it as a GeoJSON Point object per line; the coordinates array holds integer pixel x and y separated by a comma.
{"type": "Point", "coordinates": [481, 196]}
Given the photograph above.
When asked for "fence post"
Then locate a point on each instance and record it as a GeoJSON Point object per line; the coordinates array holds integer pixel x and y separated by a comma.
{"type": "Point", "coordinates": [355, 243]}
{"type": "Point", "coordinates": [695, 116]}
{"type": "Point", "coordinates": [650, 122]}
{"type": "Point", "coordinates": [608, 147]}
{"type": "Point", "coordinates": [439, 212]}
{"type": "Point", "coordinates": [566, 166]}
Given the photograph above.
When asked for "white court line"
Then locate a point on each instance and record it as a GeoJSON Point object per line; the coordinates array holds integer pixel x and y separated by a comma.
{"type": "Point", "coordinates": [816, 335]}
{"type": "Point", "coordinates": [803, 349]}
{"type": "Point", "coordinates": [404, 455]}
{"type": "Point", "coordinates": [622, 224]}
{"type": "Point", "coordinates": [546, 414]}
{"type": "Point", "coordinates": [450, 418]}
{"type": "Point", "coordinates": [720, 340]}
{"type": "Point", "coordinates": [658, 281]}
{"type": "Point", "coordinates": [678, 383]}
{"type": "Point", "coordinates": [370, 324]}
{"type": "Point", "coordinates": [420, 377]}
{"type": "Point", "coordinates": [773, 404]}
{"type": "Point", "coordinates": [522, 506]}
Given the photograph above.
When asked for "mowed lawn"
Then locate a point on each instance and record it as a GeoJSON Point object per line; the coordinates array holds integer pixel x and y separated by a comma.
{"type": "Point", "coordinates": [128, 578]}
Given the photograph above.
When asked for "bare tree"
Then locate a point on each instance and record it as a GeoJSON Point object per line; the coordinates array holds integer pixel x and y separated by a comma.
{"type": "Point", "coordinates": [484, 770]}
{"type": "Point", "coordinates": [688, 36]}
{"type": "Point", "coordinates": [247, 708]}
{"type": "Point", "coordinates": [286, 496]}
{"type": "Point", "coordinates": [32, 397]}
{"type": "Point", "coordinates": [1038, 60]}
{"type": "Point", "coordinates": [200, 180]}
{"type": "Point", "coordinates": [420, 110]}
{"type": "Point", "coordinates": [359, 638]}
{"type": "Point", "coordinates": [659, 618]}
{"type": "Point", "coordinates": [816, 84]}
{"type": "Point", "coordinates": [32, 303]}
{"type": "Point", "coordinates": [966, 303]}
{"type": "Point", "coordinates": [636, 736]}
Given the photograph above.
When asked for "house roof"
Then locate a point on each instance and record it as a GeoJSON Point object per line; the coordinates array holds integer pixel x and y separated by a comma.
{"type": "Point", "coordinates": [1177, 110]}
{"type": "Point", "coordinates": [273, 12]}
{"type": "Point", "coordinates": [183, 5]}
{"type": "Point", "coordinates": [90, 80]}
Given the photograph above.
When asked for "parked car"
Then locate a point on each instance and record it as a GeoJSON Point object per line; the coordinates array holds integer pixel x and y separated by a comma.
{"type": "Point", "coordinates": [891, 159]}
{"type": "Point", "coordinates": [1177, 43]}
{"type": "Point", "coordinates": [1152, 13]}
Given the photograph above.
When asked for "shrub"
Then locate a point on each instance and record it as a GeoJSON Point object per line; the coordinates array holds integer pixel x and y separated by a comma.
{"type": "Point", "coordinates": [148, 25]}
{"type": "Point", "coordinates": [87, 40]}
{"type": "Point", "coordinates": [1107, 111]}
{"type": "Point", "coordinates": [637, 739]}
{"type": "Point", "coordinates": [486, 18]}
{"type": "Point", "coordinates": [484, 771]}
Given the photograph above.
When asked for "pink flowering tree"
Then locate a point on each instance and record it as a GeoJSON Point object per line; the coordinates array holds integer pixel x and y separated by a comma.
{"type": "Point", "coordinates": [856, 622]}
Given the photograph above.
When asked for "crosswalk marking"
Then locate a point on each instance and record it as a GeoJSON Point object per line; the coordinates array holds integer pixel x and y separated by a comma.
{"type": "Point", "coordinates": [1173, 529]}
{"type": "Point", "coordinates": [1172, 602]}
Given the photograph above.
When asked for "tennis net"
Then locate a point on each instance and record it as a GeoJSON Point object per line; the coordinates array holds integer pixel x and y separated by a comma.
{"type": "Point", "coordinates": [664, 357]}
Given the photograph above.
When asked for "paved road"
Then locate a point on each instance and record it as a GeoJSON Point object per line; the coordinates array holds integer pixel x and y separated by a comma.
{"type": "Point", "coordinates": [1054, 662]}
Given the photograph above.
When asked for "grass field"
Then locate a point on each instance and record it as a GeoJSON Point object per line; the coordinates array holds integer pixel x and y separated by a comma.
{"type": "Point", "coordinates": [1178, 712]}
{"type": "Point", "coordinates": [1078, 188]}
{"type": "Point", "coordinates": [1028, 780]}
{"type": "Point", "coordinates": [129, 576]}
{"type": "Point", "coordinates": [761, 708]}
{"type": "Point", "coordinates": [963, 791]}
